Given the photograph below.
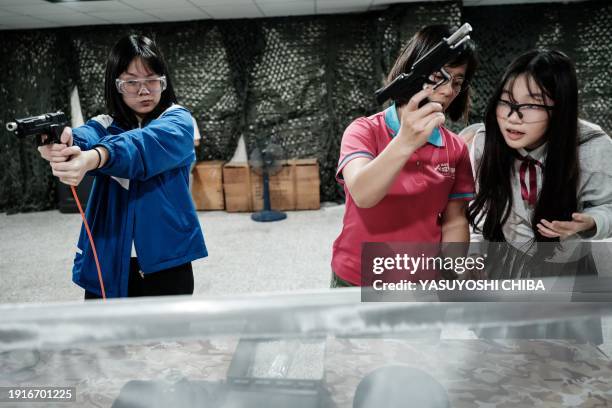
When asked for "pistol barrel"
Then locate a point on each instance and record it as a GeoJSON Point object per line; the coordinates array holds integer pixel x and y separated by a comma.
{"type": "Point", "coordinates": [459, 34]}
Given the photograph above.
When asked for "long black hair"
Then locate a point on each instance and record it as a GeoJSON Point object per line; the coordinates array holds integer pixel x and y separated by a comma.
{"type": "Point", "coordinates": [423, 41]}
{"type": "Point", "coordinates": [121, 55]}
{"type": "Point", "coordinates": [555, 75]}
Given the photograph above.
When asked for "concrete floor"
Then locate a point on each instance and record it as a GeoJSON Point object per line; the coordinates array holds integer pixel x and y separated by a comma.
{"type": "Point", "coordinates": [37, 250]}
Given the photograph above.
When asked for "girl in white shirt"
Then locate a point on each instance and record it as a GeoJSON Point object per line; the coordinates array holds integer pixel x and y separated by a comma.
{"type": "Point", "coordinates": [543, 180]}
{"type": "Point", "coordinates": [541, 173]}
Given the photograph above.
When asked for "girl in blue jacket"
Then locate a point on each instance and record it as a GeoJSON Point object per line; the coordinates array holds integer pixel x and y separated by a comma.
{"type": "Point", "coordinates": [143, 221]}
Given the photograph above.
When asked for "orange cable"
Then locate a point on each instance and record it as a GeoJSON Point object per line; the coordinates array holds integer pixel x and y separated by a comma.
{"type": "Point", "coordinates": [93, 246]}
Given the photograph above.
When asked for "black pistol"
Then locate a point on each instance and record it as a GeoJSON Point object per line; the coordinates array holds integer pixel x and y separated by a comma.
{"type": "Point", "coordinates": [50, 124]}
{"type": "Point", "coordinates": [408, 84]}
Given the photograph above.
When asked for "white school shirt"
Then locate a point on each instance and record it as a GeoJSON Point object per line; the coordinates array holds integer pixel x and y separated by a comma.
{"type": "Point", "coordinates": [517, 229]}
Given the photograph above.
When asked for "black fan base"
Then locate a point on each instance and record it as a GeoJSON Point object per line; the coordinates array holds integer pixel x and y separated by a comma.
{"type": "Point", "coordinates": [268, 216]}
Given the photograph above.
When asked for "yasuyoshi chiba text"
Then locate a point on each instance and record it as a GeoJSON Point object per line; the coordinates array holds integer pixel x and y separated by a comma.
{"type": "Point", "coordinates": [467, 285]}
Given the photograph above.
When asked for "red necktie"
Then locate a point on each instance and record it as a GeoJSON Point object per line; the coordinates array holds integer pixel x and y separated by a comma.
{"type": "Point", "coordinates": [531, 195]}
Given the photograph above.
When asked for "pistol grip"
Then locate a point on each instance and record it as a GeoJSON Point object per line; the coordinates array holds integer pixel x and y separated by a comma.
{"type": "Point", "coordinates": [54, 135]}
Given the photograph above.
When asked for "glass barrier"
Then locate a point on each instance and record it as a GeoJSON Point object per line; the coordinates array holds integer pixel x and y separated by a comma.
{"type": "Point", "coordinates": [306, 349]}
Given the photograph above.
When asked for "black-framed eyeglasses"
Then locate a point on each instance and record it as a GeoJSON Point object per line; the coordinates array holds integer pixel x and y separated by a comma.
{"type": "Point", "coordinates": [527, 112]}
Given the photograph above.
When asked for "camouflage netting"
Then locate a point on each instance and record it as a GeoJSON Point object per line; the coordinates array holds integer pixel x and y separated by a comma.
{"type": "Point", "coordinates": [583, 31]}
{"type": "Point", "coordinates": [32, 82]}
{"type": "Point", "coordinates": [297, 82]}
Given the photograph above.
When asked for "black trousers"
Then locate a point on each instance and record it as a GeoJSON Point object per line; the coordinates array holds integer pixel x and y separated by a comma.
{"type": "Point", "coordinates": [172, 281]}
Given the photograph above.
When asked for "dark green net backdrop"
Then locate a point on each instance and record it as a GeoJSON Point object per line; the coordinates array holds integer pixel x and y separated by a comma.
{"type": "Point", "coordinates": [32, 81]}
{"type": "Point", "coordinates": [583, 31]}
{"type": "Point", "coordinates": [297, 82]}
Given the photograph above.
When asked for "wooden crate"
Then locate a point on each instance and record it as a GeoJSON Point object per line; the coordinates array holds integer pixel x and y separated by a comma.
{"type": "Point", "coordinates": [207, 187]}
{"type": "Point", "coordinates": [282, 189]}
{"type": "Point", "coordinates": [294, 187]}
{"type": "Point", "coordinates": [307, 184]}
{"type": "Point", "coordinates": [237, 187]}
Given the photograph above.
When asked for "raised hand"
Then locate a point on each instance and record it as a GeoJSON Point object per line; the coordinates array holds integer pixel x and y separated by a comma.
{"type": "Point", "coordinates": [51, 152]}
{"type": "Point", "coordinates": [564, 229]}
{"type": "Point", "coordinates": [417, 124]}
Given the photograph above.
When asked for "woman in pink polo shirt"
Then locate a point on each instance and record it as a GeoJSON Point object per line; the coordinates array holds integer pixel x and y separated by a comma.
{"type": "Point", "coordinates": [406, 177]}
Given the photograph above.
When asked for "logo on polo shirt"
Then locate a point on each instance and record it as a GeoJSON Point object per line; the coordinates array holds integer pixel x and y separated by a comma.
{"type": "Point", "coordinates": [445, 169]}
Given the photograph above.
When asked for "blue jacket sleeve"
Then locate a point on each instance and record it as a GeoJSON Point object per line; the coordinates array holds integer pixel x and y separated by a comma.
{"type": "Point", "coordinates": [88, 135]}
{"type": "Point", "coordinates": [165, 143]}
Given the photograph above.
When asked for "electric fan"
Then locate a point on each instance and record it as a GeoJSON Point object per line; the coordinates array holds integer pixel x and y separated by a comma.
{"type": "Point", "coordinates": [266, 162]}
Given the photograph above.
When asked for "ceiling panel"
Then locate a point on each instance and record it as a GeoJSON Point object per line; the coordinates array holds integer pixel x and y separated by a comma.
{"type": "Point", "coordinates": [96, 6]}
{"type": "Point", "coordinates": [22, 14]}
{"type": "Point", "coordinates": [339, 10]}
{"type": "Point", "coordinates": [4, 3]}
{"type": "Point", "coordinates": [233, 9]}
{"type": "Point", "coordinates": [72, 19]}
{"type": "Point", "coordinates": [125, 17]}
{"type": "Point", "coordinates": [24, 22]}
{"type": "Point", "coordinates": [7, 13]}
{"type": "Point", "coordinates": [342, 6]}
{"type": "Point", "coordinates": [158, 4]}
{"type": "Point", "coordinates": [332, 3]}
{"type": "Point", "coordinates": [201, 3]}
{"type": "Point", "coordinates": [179, 14]}
{"type": "Point", "coordinates": [39, 10]}
{"type": "Point", "coordinates": [287, 8]}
